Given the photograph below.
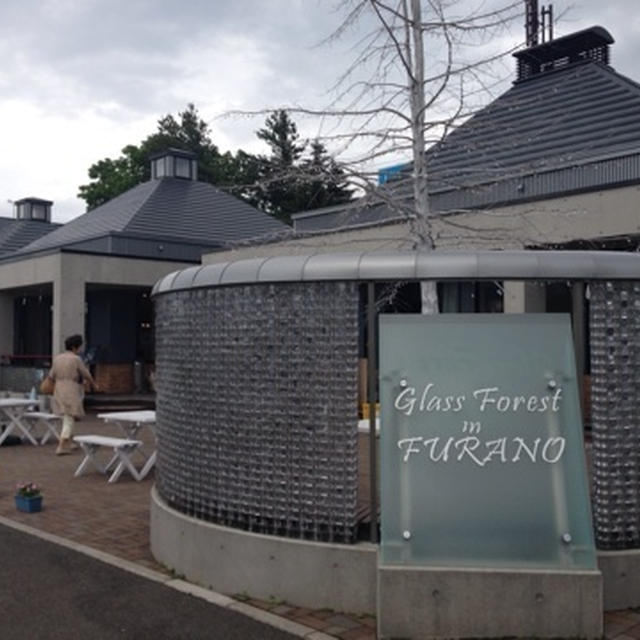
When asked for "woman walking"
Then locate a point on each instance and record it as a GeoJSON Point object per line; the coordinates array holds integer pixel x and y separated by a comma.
{"type": "Point", "coordinates": [69, 374]}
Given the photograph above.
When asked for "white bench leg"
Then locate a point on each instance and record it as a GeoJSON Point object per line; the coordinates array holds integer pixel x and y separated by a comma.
{"type": "Point", "coordinates": [49, 432]}
{"type": "Point", "coordinates": [149, 464]}
{"type": "Point", "coordinates": [90, 451]}
{"type": "Point", "coordinates": [8, 428]}
{"type": "Point", "coordinates": [124, 455]}
{"type": "Point", "coordinates": [15, 421]}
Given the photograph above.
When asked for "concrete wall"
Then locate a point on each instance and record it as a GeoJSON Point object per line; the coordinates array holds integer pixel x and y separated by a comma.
{"type": "Point", "coordinates": [585, 216]}
{"type": "Point", "coordinates": [70, 274]}
{"type": "Point", "coordinates": [440, 602]}
{"type": "Point", "coordinates": [591, 215]}
{"type": "Point", "coordinates": [621, 576]}
{"type": "Point", "coordinates": [308, 574]}
{"type": "Point", "coordinates": [421, 603]}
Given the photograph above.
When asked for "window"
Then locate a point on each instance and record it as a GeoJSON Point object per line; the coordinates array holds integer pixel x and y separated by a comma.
{"type": "Point", "coordinates": [158, 168]}
{"type": "Point", "coordinates": [38, 212]}
{"type": "Point", "coordinates": [183, 168]}
{"type": "Point", "coordinates": [470, 297]}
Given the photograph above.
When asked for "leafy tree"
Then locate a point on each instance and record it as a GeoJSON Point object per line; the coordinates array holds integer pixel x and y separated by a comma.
{"type": "Point", "coordinates": [281, 184]}
{"type": "Point", "coordinates": [113, 177]}
{"type": "Point", "coordinates": [281, 134]}
{"type": "Point", "coordinates": [289, 182]}
{"type": "Point", "coordinates": [326, 180]}
{"type": "Point", "coordinates": [189, 132]}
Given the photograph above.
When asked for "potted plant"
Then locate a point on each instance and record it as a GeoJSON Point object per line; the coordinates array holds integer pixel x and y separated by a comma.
{"type": "Point", "coordinates": [28, 497]}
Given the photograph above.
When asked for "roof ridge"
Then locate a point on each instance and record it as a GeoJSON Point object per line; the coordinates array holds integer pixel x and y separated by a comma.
{"type": "Point", "coordinates": [92, 214]}
{"type": "Point", "coordinates": [143, 203]}
{"type": "Point", "coordinates": [620, 78]}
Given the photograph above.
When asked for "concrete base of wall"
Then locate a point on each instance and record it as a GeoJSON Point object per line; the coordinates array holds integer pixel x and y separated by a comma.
{"type": "Point", "coordinates": [308, 574]}
{"type": "Point", "coordinates": [621, 576]}
{"type": "Point", "coordinates": [478, 603]}
{"type": "Point", "coordinates": [421, 603]}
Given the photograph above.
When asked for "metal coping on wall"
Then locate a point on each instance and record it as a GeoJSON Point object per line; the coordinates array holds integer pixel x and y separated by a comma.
{"type": "Point", "coordinates": [406, 265]}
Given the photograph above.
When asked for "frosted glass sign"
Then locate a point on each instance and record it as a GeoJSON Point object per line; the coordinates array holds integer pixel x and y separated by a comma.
{"type": "Point", "coordinates": [482, 456]}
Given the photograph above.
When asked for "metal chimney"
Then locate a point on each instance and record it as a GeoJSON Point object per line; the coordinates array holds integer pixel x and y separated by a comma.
{"type": "Point", "coordinates": [547, 23]}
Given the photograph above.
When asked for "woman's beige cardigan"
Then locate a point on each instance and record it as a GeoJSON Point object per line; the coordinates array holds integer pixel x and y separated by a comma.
{"type": "Point", "coordinates": [69, 373]}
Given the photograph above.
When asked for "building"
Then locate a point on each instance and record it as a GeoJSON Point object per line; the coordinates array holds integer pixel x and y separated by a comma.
{"type": "Point", "coordinates": [93, 275]}
{"type": "Point", "coordinates": [552, 162]}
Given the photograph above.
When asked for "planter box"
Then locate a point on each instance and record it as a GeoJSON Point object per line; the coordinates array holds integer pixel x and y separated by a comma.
{"type": "Point", "coordinates": [29, 505]}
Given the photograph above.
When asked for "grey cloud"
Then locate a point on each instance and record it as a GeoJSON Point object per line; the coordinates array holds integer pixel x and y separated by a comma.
{"type": "Point", "coordinates": [127, 51]}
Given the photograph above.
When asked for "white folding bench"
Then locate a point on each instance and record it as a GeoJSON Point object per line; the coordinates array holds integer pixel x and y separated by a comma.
{"type": "Point", "coordinates": [46, 420]}
{"type": "Point", "coordinates": [123, 449]}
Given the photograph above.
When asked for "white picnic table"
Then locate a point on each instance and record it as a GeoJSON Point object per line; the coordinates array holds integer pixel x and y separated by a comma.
{"type": "Point", "coordinates": [13, 409]}
{"type": "Point", "coordinates": [130, 423]}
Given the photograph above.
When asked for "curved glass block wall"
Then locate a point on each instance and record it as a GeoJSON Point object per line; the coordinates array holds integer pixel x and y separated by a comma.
{"type": "Point", "coordinates": [615, 411]}
{"type": "Point", "coordinates": [257, 366]}
{"type": "Point", "coordinates": [257, 406]}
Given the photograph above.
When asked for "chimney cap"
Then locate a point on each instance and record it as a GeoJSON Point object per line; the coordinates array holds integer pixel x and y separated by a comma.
{"type": "Point", "coordinates": [33, 201]}
{"type": "Point", "coordinates": [173, 151]}
{"type": "Point", "coordinates": [588, 44]}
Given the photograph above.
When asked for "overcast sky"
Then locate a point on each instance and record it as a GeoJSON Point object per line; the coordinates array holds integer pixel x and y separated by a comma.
{"type": "Point", "coordinates": [80, 79]}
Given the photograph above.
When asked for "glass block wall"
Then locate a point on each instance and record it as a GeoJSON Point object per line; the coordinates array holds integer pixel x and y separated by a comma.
{"type": "Point", "coordinates": [615, 410]}
{"type": "Point", "coordinates": [257, 406]}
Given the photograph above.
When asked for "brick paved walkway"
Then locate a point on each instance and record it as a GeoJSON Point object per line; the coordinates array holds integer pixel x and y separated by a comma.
{"type": "Point", "coordinates": [115, 519]}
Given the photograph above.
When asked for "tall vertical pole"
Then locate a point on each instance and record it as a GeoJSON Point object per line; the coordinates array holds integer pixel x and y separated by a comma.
{"type": "Point", "coordinates": [577, 303]}
{"type": "Point", "coordinates": [531, 22]}
{"type": "Point", "coordinates": [547, 23]}
{"type": "Point", "coordinates": [371, 398]}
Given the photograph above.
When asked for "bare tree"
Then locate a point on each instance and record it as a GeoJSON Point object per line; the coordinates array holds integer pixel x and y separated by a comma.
{"type": "Point", "coordinates": [419, 69]}
{"type": "Point", "coordinates": [416, 76]}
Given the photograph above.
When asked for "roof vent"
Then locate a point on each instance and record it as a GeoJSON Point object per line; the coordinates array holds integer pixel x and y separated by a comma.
{"type": "Point", "coordinates": [33, 209]}
{"type": "Point", "coordinates": [589, 44]}
{"type": "Point", "coordinates": [174, 163]}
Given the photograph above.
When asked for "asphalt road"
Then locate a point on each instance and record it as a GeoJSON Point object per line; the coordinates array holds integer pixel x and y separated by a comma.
{"type": "Point", "coordinates": [48, 592]}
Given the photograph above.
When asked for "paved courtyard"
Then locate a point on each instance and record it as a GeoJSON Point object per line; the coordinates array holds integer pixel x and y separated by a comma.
{"type": "Point", "coordinates": [114, 518]}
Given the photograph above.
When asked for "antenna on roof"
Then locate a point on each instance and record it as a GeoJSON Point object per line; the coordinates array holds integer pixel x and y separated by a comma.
{"type": "Point", "coordinates": [547, 23]}
{"type": "Point", "coordinates": [531, 22]}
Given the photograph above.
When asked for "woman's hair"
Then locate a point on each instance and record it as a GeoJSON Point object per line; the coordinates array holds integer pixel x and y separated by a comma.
{"type": "Point", "coordinates": [73, 342]}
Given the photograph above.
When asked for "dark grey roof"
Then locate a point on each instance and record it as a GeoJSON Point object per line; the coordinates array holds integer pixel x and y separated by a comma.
{"type": "Point", "coordinates": [15, 234]}
{"type": "Point", "coordinates": [583, 112]}
{"type": "Point", "coordinates": [187, 215]}
{"type": "Point", "coordinates": [572, 129]}
{"type": "Point", "coordinates": [409, 265]}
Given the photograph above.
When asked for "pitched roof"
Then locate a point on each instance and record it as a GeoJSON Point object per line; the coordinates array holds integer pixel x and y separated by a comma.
{"type": "Point", "coordinates": [584, 112]}
{"type": "Point", "coordinates": [181, 212]}
{"type": "Point", "coordinates": [15, 234]}
{"type": "Point", "coordinates": [574, 128]}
